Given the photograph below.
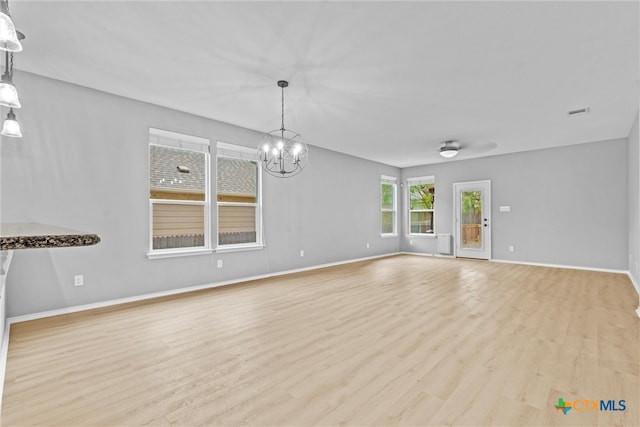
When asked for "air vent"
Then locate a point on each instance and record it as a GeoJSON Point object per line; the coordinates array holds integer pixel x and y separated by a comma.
{"type": "Point", "coordinates": [578, 111]}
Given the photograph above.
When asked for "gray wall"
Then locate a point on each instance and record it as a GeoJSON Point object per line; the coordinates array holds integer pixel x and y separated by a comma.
{"type": "Point", "coordinates": [634, 202]}
{"type": "Point", "coordinates": [83, 163]}
{"type": "Point", "coordinates": [568, 205]}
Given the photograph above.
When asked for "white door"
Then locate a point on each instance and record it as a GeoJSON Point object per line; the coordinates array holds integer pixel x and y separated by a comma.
{"type": "Point", "coordinates": [472, 207]}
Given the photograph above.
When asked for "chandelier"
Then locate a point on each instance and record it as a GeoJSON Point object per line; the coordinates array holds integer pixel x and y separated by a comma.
{"type": "Point", "coordinates": [282, 152]}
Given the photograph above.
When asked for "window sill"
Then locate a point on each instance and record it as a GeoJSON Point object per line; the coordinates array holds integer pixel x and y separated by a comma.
{"type": "Point", "coordinates": [388, 235]}
{"type": "Point", "coordinates": [425, 235]}
{"type": "Point", "coordinates": [178, 253]}
{"type": "Point", "coordinates": [225, 249]}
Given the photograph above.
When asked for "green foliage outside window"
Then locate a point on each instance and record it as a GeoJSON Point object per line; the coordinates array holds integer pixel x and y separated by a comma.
{"type": "Point", "coordinates": [421, 196]}
{"type": "Point", "coordinates": [386, 192]}
{"type": "Point", "coordinates": [471, 202]}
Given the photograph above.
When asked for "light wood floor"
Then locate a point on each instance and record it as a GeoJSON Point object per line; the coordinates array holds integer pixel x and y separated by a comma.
{"type": "Point", "coordinates": [403, 340]}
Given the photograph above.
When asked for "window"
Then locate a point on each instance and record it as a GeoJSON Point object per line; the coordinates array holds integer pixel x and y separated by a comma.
{"type": "Point", "coordinates": [421, 203]}
{"type": "Point", "coordinates": [388, 205]}
{"type": "Point", "coordinates": [178, 192]}
{"type": "Point", "coordinates": [238, 197]}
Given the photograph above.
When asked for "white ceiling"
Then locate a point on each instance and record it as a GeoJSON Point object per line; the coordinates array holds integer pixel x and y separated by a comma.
{"type": "Point", "coordinates": [385, 81]}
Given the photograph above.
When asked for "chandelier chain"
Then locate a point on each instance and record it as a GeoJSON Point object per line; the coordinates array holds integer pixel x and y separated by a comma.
{"type": "Point", "coordinates": [11, 66]}
{"type": "Point", "coordinates": [282, 117]}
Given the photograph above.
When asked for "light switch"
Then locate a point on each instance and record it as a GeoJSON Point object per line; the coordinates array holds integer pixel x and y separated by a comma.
{"type": "Point", "coordinates": [505, 208]}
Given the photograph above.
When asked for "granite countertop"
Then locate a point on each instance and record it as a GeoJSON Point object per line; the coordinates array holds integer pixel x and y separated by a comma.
{"type": "Point", "coordinates": [34, 235]}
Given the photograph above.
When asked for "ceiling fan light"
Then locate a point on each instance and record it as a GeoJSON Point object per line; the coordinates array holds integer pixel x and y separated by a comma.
{"type": "Point", "coordinates": [8, 34]}
{"type": "Point", "coordinates": [448, 151]}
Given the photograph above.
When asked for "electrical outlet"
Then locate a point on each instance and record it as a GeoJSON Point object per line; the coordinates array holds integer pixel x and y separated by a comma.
{"type": "Point", "coordinates": [367, 245]}
{"type": "Point", "coordinates": [512, 248]}
{"type": "Point", "coordinates": [219, 263]}
{"type": "Point", "coordinates": [411, 242]}
{"type": "Point", "coordinates": [78, 280]}
{"type": "Point", "coordinates": [301, 252]}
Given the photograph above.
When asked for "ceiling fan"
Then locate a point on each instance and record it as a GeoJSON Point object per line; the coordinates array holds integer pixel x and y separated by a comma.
{"type": "Point", "coordinates": [450, 148]}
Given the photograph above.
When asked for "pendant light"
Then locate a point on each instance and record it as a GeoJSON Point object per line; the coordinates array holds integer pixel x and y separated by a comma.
{"type": "Point", "coordinates": [8, 92]}
{"type": "Point", "coordinates": [9, 37]}
{"type": "Point", "coordinates": [282, 152]}
{"type": "Point", "coordinates": [11, 127]}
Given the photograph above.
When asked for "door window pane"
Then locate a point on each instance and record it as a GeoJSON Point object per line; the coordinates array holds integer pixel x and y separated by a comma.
{"type": "Point", "coordinates": [471, 219]}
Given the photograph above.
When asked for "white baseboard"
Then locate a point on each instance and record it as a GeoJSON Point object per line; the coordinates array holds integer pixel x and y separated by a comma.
{"type": "Point", "coordinates": [427, 254]}
{"type": "Point", "coordinates": [635, 283]}
{"type": "Point", "coordinates": [637, 286]}
{"type": "Point", "coordinates": [109, 303]}
{"type": "Point", "coordinates": [537, 264]}
{"type": "Point", "coordinates": [572, 267]}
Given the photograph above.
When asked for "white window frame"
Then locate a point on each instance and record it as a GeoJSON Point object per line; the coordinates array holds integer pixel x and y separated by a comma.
{"type": "Point", "coordinates": [164, 138]}
{"type": "Point", "coordinates": [415, 181]}
{"type": "Point", "coordinates": [232, 151]}
{"type": "Point", "coordinates": [390, 180]}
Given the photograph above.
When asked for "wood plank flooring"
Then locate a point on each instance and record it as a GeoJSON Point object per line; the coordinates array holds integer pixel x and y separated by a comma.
{"type": "Point", "coordinates": [403, 340]}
